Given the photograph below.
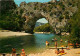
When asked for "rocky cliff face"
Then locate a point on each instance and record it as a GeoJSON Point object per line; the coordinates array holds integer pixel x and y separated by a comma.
{"type": "Point", "coordinates": [57, 13]}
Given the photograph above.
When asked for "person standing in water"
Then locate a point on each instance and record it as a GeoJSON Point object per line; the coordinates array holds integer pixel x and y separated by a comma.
{"type": "Point", "coordinates": [13, 52]}
{"type": "Point", "coordinates": [61, 40]}
{"type": "Point", "coordinates": [23, 53]}
{"type": "Point", "coordinates": [55, 39]}
{"type": "Point", "coordinates": [55, 44]}
{"type": "Point", "coordinates": [47, 43]}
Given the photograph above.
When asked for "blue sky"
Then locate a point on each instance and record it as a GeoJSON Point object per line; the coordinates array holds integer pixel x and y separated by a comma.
{"type": "Point", "coordinates": [27, 1]}
{"type": "Point", "coordinates": [42, 20]}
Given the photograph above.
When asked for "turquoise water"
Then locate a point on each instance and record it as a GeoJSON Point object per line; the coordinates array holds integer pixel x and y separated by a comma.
{"type": "Point", "coordinates": [32, 44]}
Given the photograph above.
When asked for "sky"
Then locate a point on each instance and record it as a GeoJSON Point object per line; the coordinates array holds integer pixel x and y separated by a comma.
{"type": "Point", "coordinates": [27, 1]}
{"type": "Point", "coordinates": [42, 20]}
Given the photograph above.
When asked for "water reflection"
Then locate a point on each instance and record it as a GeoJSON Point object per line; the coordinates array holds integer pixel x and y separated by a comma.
{"type": "Point", "coordinates": [31, 44]}
{"type": "Point", "coordinates": [6, 44]}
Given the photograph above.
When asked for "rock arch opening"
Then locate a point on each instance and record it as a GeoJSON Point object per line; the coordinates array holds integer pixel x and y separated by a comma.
{"type": "Point", "coordinates": [40, 25]}
{"type": "Point", "coordinates": [30, 23]}
{"type": "Point", "coordinates": [40, 22]}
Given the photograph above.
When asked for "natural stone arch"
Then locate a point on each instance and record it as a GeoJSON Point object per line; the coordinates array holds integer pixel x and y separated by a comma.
{"type": "Point", "coordinates": [35, 10]}
{"type": "Point", "coordinates": [31, 21]}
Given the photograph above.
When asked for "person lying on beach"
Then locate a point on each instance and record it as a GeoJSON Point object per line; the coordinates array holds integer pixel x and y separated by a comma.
{"type": "Point", "coordinates": [62, 52]}
{"type": "Point", "coordinates": [23, 53]}
{"type": "Point", "coordinates": [57, 51]}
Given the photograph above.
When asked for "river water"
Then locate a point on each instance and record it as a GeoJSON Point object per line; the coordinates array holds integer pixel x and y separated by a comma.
{"type": "Point", "coordinates": [31, 44]}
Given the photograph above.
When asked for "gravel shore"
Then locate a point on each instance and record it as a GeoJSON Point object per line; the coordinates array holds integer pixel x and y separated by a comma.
{"type": "Point", "coordinates": [7, 34]}
{"type": "Point", "coordinates": [51, 52]}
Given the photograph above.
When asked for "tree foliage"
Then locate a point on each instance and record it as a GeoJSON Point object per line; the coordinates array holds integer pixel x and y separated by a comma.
{"type": "Point", "coordinates": [75, 27]}
{"type": "Point", "coordinates": [43, 28]}
{"type": "Point", "coordinates": [11, 21]}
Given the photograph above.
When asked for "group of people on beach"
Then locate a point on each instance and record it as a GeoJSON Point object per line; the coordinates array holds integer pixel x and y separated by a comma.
{"type": "Point", "coordinates": [14, 52]}
{"type": "Point", "coordinates": [55, 40]}
{"type": "Point", "coordinates": [57, 51]}
{"type": "Point", "coordinates": [60, 52]}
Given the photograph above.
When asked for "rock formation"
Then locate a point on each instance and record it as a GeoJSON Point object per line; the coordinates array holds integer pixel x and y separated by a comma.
{"type": "Point", "coordinates": [51, 11]}
{"type": "Point", "coordinates": [57, 12]}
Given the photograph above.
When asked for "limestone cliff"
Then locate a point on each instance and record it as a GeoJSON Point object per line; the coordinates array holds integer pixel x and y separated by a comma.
{"type": "Point", "coordinates": [52, 11]}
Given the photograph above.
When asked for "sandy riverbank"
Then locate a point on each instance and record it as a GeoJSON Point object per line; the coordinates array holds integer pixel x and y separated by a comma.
{"type": "Point", "coordinates": [10, 33]}
{"type": "Point", "coordinates": [51, 52]}
{"type": "Point", "coordinates": [43, 32]}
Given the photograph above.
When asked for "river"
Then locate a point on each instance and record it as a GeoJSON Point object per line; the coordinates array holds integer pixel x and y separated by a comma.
{"type": "Point", "coordinates": [31, 44]}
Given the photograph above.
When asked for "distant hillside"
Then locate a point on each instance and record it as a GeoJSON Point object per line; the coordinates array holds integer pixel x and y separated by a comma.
{"type": "Point", "coordinates": [39, 24]}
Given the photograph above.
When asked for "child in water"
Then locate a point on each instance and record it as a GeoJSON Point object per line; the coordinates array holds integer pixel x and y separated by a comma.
{"type": "Point", "coordinates": [47, 43]}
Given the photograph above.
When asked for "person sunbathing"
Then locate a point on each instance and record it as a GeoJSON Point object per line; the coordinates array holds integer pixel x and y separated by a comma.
{"type": "Point", "coordinates": [57, 51]}
{"type": "Point", "coordinates": [62, 51]}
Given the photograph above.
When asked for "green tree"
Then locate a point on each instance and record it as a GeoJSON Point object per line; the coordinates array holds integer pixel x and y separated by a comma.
{"type": "Point", "coordinates": [75, 27]}
{"type": "Point", "coordinates": [43, 28]}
